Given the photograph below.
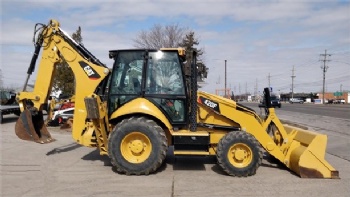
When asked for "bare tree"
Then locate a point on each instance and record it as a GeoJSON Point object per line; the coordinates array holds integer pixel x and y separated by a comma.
{"type": "Point", "coordinates": [173, 36]}
{"type": "Point", "coordinates": [168, 36]}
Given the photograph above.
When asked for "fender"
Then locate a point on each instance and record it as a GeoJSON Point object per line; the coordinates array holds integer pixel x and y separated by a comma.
{"type": "Point", "coordinates": [143, 106]}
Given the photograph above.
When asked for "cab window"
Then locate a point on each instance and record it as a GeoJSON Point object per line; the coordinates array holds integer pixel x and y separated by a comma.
{"type": "Point", "coordinates": [125, 82]}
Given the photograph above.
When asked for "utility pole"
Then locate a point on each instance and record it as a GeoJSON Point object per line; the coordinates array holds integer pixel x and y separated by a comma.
{"type": "Point", "coordinates": [239, 89]}
{"type": "Point", "coordinates": [324, 69]}
{"type": "Point", "coordinates": [256, 89]}
{"type": "Point", "coordinates": [225, 79]}
{"type": "Point", "coordinates": [293, 76]}
{"type": "Point", "coordinates": [341, 87]}
{"type": "Point", "coordinates": [269, 77]}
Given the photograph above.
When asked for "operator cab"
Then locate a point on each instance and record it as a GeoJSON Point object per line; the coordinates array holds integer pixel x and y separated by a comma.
{"type": "Point", "coordinates": [156, 75]}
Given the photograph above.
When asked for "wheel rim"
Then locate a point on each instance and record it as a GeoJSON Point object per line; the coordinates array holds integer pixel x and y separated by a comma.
{"type": "Point", "coordinates": [240, 155]}
{"type": "Point", "coordinates": [136, 147]}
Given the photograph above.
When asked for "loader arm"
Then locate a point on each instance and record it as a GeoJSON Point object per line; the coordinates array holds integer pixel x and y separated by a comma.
{"type": "Point", "coordinates": [56, 47]}
{"type": "Point", "coordinates": [302, 151]}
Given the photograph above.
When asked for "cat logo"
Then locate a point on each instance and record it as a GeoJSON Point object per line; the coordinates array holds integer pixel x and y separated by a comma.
{"type": "Point", "coordinates": [90, 72]}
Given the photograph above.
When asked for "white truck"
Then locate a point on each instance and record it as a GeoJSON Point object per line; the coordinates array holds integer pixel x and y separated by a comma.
{"type": "Point", "coordinates": [339, 101]}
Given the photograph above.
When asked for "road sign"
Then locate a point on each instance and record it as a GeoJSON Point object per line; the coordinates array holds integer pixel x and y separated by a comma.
{"type": "Point", "coordinates": [338, 94]}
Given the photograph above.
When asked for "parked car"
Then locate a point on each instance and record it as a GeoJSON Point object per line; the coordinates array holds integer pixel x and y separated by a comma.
{"type": "Point", "coordinates": [275, 102]}
{"type": "Point", "coordinates": [61, 116]}
{"type": "Point", "coordinates": [336, 101]}
{"type": "Point", "coordinates": [330, 101]}
{"type": "Point", "coordinates": [341, 101]}
{"type": "Point", "coordinates": [296, 100]}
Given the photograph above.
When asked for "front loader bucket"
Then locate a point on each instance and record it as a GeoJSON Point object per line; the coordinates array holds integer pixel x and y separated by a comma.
{"type": "Point", "coordinates": [306, 154]}
{"type": "Point", "coordinates": [31, 126]}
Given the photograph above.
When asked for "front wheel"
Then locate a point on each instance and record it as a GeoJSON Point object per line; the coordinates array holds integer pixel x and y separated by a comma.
{"type": "Point", "coordinates": [137, 146]}
{"type": "Point", "coordinates": [239, 154]}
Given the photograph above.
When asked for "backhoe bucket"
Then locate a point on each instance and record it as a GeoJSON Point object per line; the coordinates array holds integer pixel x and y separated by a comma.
{"type": "Point", "coordinates": [306, 154]}
{"type": "Point", "coordinates": [31, 126]}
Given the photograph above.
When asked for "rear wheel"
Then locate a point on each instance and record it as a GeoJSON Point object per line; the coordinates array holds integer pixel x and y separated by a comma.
{"type": "Point", "coordinates": [137, 146]}
{"type": "Point", "coordinates": [239, 154]}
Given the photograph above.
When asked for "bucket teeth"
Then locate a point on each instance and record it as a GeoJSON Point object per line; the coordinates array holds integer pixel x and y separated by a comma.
{"type": "Point", "coordinates": [30, 126]}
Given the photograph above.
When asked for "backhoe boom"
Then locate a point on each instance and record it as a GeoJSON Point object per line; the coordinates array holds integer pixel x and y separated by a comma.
{"type": "Point", "coordinates": [57, 47]}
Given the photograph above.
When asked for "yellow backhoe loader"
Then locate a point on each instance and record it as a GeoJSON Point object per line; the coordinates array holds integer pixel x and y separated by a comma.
{"type": "Point", "coordinates": [149, 101]}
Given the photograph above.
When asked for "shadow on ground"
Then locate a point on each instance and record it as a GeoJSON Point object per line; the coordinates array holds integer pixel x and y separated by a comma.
{"type": "Point", "coordinates": [63, 149]}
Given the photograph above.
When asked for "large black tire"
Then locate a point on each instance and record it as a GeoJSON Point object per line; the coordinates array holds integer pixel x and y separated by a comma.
{"type": "Point", "coordinates": [239, 154]}
{"type": "Point", "coordinates": [137, 146]}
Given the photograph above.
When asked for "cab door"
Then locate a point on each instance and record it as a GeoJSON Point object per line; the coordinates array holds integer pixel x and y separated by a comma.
{"type": "Point", "coordinates": [125, 82]}
{"type": "Point", "coordinates": [165, 85]}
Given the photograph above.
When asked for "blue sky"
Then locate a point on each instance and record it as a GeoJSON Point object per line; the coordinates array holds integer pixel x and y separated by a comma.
{"type": "Point", "coordinates": [257, 38]}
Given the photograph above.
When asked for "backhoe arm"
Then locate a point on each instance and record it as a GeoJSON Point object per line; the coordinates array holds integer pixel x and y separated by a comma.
{"type": "Point", "coordinates": [57, 46]}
